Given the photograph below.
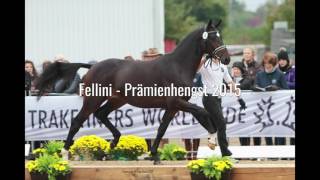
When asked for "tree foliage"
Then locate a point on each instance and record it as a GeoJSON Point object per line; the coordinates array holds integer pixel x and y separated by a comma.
{"type": "Point", "coordinates": [239, 26]}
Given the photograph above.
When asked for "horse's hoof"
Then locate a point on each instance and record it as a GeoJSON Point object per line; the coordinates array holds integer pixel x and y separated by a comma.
{"type": "Point", "coordinates": [65, 154]}
{"type": "Point", "coordinates": [157, 163]}
{"type": "Point", "coordinates": [113, 145]}
{"type": "Point", "coordinates": [212, 146]}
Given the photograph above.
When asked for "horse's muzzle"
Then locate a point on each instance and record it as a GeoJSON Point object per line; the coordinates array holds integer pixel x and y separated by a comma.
{"type": "Point", "coordinates": [225, 60]}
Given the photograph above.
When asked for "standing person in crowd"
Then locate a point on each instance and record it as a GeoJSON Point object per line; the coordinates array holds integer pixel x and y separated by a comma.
{"type": "Point", "coordinates": [289, 72]}
{"type": "Point", "coordinates": [27, 83]}
{"type": "Point", "coordinates": [274, 79]}
{"type": "Point", "coordinates": [45, 64]}
{"type": "Point", "coordinates": [149, 55]}
{"type": "Point", "coordinates": [212, 78]}
{"type": "Point", "coordinates": [29, 68]}
{"type": "Point", "coordinates": [129, 57]}
{"type": "Point", "coordinates": [239, 77]}
{"type": "Point", "coordinates": [249, 63]}
{"type": "Point", "coordinates": [193, 144]}
{"type": "Point", "coordinates": [287, 69]}
{"type": "Point", "coordinates": [31, 75]}
{"type": "Point", "coordinates": [252, 68]}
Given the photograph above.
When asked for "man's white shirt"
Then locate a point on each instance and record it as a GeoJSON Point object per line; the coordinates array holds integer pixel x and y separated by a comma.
{"type": "Point", "coordinates": [213, 76]}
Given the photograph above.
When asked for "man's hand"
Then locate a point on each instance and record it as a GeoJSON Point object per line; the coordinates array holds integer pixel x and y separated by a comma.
{"type": "Point", "coordinates": [242, 104]}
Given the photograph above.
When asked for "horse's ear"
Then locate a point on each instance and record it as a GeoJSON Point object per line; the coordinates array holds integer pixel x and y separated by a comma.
{"type": "Point", "coordinates": [209, 24]}
{"type": "Point", "coordinates": [218, 23]}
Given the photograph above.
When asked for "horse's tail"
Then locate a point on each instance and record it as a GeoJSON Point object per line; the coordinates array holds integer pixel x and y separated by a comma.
{"type": "Point", "coordinates": [55, 71]}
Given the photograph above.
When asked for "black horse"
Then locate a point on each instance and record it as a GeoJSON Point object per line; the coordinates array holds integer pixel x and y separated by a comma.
{"type": "Point", "coordinates": [178, 67]}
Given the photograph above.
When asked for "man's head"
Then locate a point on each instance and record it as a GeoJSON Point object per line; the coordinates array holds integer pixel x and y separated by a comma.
{"type": "Point", "coordinates": [59, 57]}
{"type": "Point", "coordinates": [248, 54]}
{"type": "Point", "coordinates": [151, 54]}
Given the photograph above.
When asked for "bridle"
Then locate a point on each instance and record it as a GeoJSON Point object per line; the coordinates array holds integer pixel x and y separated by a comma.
{"type": "Point", "coordinates": [214, 53]}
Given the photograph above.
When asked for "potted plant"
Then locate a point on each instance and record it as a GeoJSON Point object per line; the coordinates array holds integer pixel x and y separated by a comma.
{"type": "Point", "coordinates": [213, 168]}
{"type": "Point", "coordinates": [129, 147]}
{"type": "Point", "coordinates": [90, 147]}
{"type": "Point", "coordinates": [51, 148]}
{"type": "Point", "coordinates": [172, 152]}
{"type": "Point", "coordinates": [49, 167]}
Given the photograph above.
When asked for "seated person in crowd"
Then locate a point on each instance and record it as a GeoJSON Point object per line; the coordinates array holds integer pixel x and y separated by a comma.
{"type": "Point", "coordinates": [273, 78]}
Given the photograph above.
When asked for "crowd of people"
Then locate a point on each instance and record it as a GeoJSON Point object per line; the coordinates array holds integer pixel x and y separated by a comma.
{"type": "Point", "coordinates": [273, 73]}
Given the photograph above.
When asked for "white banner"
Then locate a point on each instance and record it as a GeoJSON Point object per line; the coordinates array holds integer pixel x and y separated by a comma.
{"type": "Point", "coordinates": [268, 114]}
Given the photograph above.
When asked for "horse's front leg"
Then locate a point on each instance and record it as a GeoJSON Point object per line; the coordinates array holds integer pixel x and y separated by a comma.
{"type": "Point", "coordinates": [203, 117]}
{"type": "Point", "coordinates": [75, 126]}
{"type": "Point", "coordinates": [167, 117]}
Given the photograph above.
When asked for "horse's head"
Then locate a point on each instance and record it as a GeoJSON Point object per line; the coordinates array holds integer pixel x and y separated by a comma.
{"type": "Point", "coordinates": [213, 44]}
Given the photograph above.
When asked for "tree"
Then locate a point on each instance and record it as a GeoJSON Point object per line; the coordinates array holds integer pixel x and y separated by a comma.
{"type": "Point", "coordinates": [178, 22]}
{"type": "Point", "coordinates": [283, 12]}
{"type": "Point", "coordinates": [183, 16]}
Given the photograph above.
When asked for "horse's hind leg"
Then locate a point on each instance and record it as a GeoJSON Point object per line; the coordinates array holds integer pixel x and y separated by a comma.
{"type": "Point", "coordinates": [90, 104]}
{"type": "Point", "coordinates": [102, 114]}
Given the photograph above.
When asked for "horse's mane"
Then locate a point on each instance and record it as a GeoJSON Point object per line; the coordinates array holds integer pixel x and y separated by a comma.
{"type": "Point", "coordinates": [188, 39]}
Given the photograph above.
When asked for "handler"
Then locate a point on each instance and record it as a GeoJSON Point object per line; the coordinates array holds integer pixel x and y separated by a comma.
{"type": "Point", "coordinates": [213, 73]}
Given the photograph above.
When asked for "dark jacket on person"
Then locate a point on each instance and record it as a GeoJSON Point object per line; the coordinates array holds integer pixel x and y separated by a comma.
{"type": "Point", "coordinates": [251, 69]}
{"type": "Point", "coordinates": [276, 77]}
{"type": "Point", "coordinates": [197, 81]}
{"type": "Point", "coordinates": [70, 87]}
{"type": "Point", "coordinates": [245, 83]}
{"type": "Point", "coordinates": [27, 81]}
{"type": "Point", "coordinates": [290, 76]}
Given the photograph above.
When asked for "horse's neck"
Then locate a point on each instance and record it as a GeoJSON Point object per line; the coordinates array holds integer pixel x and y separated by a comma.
{"type": "Point", "coordinates": [188, 58]}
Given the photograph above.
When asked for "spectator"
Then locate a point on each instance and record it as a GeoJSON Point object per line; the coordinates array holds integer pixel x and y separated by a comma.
{"type": "Point", "coordinates": [65, 86]}
{"type": "Point", "coordinates": [29, 68]}
{"type": "Point", "coordinates": [151, 54]}
{"type": "Point", "coordinates": [129, 57]}
{"type": "Point", "coordinates": [27, 83]}
{"type": "Point", "coordinates": [252, 68]}
{"type": "Point", "coordinates": [239, 77]}
{"type": "Point", "coordinates": [45, 64]}
{"type": "Point", "coordinates": [250, 64]}
{"type": "Point", "coordinates": [271, 76]}
{"type": "Point", "coordinates": [193, 144]}
{"type": "Point", "coordinates": [289, 72]}
{"type": "Point", "coordinates": [287, 69]}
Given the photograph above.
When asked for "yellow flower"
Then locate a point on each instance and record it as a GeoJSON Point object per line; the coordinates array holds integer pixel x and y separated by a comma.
{"type": "Point", "coordinates": [89, 144]}
{"type": "Point", "coordinates": [39, 150]}
{"type": "Point", "coordinates": [219, 165]}
{"type": "Point", "coordinates": [31, 165]}
{"type": "Point", "coordinates": [61, 168]}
